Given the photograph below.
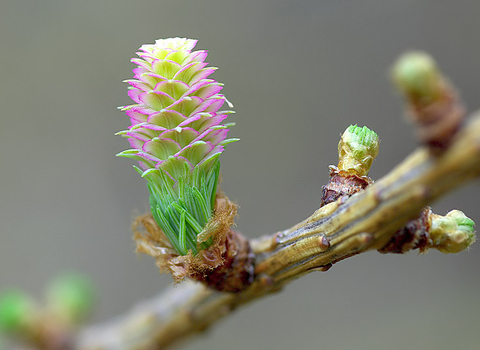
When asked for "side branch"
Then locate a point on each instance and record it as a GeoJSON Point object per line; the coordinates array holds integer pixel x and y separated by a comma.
{"type": "Point", "coordinates": [365, 221]}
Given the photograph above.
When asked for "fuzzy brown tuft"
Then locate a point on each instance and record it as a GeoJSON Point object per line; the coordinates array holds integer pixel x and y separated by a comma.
{"type": "Point", "coordinates": [227, 265]}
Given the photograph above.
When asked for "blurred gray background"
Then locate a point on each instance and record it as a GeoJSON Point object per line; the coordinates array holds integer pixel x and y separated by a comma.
{"type": "Point", "coordinates": [298, 73]}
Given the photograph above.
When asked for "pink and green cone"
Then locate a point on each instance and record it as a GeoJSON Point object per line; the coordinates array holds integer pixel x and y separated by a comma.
{"type": "Point", "coordinates": [177, 135]}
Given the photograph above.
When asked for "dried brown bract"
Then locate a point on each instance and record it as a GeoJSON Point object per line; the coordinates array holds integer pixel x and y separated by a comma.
{"type": "Point", "coordinates": [227, 265]}
{"type": "Point", "coordinates": [414, 235]}
{"type": "Point", "coordinates": [437, 122]}
{"type": "Point", "coordinates": [343, 183]}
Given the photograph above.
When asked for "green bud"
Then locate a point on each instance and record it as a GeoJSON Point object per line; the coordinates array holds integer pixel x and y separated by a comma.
{"type": "Point", "coordinates": [16, 309]}
{"type": "Point", "coordinates": [71, 297]}
{"type": "Point", "coordinates": [416, 75]}
{"type": "Point", "coordinates": [357, 149]}
{"type": "Point", "coordinates": [452, 233]}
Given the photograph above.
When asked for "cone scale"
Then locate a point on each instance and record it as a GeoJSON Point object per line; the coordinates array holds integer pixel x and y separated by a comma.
{"type": "Point", "coordinates": [177, 134]}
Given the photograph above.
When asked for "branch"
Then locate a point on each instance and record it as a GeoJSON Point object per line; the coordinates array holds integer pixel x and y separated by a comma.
{"type": "Point", "coordinates": [337, 231]}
